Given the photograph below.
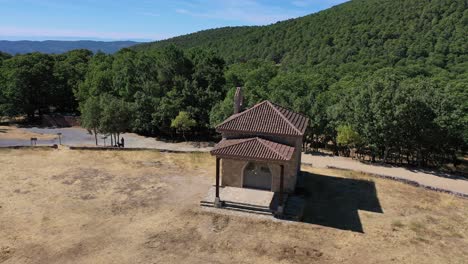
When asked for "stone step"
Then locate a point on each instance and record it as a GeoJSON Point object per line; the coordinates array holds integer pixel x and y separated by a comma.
{"type": "Point", "coordinates": [240, 208]}
{"type": "Point", "coordinates": [238, 204]}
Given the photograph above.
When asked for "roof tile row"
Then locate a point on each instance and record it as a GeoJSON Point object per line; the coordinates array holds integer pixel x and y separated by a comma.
{"type": "Point", "coordinates": [253, 148]}
{"type": "Point", "coordinates": [267, 118]}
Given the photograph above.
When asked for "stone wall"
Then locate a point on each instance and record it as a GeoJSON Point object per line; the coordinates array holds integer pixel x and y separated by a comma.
{"type": "Point", "coordinates": [232, 172]}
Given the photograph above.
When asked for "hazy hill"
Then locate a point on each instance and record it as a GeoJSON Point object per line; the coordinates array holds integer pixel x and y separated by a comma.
{"type": "Point", "coordinates": [56, 47]}
{"type": "Point", "coordinates": [370, 32]}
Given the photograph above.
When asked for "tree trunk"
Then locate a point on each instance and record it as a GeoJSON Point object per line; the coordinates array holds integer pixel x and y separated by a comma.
{"type": "Point", "coordinates": [335, 148]}
{"type": "Point", "coordinates": [95, 136]}
{"type": "Point", "coordinates": [112, 140]}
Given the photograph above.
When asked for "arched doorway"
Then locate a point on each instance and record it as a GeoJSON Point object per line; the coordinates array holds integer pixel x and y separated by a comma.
{"type": "Point", "coordinates": [257, 176]}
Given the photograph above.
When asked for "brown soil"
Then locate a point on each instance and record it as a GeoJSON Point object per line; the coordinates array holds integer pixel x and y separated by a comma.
{"type": "Point", "coordinates": [64, 206]}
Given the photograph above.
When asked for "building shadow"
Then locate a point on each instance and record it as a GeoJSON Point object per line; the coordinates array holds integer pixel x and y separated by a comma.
{"type": "Point", "coordinates": [334, 202]}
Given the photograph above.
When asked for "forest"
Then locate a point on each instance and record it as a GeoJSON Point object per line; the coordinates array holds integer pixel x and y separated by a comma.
{"type": "Point", "coordinates": [377, 78]}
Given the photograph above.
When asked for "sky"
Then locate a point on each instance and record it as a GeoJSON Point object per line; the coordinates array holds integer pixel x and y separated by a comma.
{"type": "Point", "coordinates": [140, 20]}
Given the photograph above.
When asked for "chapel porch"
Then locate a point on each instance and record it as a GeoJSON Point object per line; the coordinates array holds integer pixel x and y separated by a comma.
{"type": "Point", "coordinates": [258, 202]}
{"type": "Point", "coordinates": [253, 151]}
{"type": "Point", "coordinates": [243, 200]}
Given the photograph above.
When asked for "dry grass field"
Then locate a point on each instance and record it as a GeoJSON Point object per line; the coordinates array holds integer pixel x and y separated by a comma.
{"type": "Point", "coordinates": [63, 206]}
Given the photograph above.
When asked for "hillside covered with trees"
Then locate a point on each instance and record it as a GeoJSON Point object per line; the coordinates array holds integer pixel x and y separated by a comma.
{"type": "Point", "coordinates": [386, 77]}
{"type": "Point", "coordinates": [360, 33]}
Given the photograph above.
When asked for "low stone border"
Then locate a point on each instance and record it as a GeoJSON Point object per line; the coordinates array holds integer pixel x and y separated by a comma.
{"type": "Point", "coordinates": [30, 147]}
{"type": "Point", "coordinates": [135, 149]}
{"type": "Point", "coordinates": [406, 181]}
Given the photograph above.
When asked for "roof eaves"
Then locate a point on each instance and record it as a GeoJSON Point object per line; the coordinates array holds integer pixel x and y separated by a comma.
{"type": "Point", "coordinates": [257, 133]}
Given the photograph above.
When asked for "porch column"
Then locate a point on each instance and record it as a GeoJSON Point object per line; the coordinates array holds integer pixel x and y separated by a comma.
{"type": "Point", "coordinates": [281, 202]}
{"type": "Point", "coordinates": [217, 202]}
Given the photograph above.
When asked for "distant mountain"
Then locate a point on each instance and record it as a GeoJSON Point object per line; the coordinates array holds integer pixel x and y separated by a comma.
{"type": "Point", "coordinates": [56, 46]}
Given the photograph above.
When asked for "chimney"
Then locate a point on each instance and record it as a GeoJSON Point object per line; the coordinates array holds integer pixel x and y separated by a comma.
{"type": "Point", "coordinates": [238, 100]}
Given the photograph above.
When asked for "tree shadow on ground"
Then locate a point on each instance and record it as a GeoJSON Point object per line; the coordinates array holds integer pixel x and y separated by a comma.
{"type": "Point", "coordinates": [334, 202]}
{"type": "Point", "coordinates": [319, 153]}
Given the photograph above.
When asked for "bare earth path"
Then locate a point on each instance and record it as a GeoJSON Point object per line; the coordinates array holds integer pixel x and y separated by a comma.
{"type": "Point", "coordinates": [425, 178]}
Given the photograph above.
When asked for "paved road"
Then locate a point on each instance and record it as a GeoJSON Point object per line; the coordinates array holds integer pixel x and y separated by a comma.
{"type": "Point", "coordinates": [428, 178]}
{"type": "Point", "coordinates": [76, 136]}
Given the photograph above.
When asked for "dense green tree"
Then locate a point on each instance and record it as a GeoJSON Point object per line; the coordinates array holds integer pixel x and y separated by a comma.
{"type": "Point", "coordinates": [183, 123]}
{"type": "Point", "coordinates": [4, 56]}
{"type": "Point", "coordinates": [98, 78]}
{"type": "Point", "coordinates": [69, 71]}
{"type": "Point", "coordinates": [91, 114]}
{"type": "Point", "coordinates": [26, 84]}
{"type": "Point", "coordinates": [144, 107]}
{"type": "Point", "coordinates": [206, 88]}
{"type": "Point", "coordinates": [116, 117]}
{"type": "Point", "coordinates": [348, 137]}
{"type": "Point", "coordinates": [167, 109]}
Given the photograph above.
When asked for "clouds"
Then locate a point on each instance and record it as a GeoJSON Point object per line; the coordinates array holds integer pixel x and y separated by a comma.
{"type": "Point", "coordinates": [246, 11]}
{"type": "Point", "coordinates": [308, 3]}
{"type": "Point", "coordinates": [53, 33]}
{"type": "Point", "coordinates": [143, 19]}
{"type": "Point", "coordinates": [252, 12]}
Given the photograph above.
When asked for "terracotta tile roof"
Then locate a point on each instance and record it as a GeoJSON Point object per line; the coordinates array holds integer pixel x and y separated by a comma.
{"type": "Point", "coordinates": [267, 118]}
{"type": "Point", "coordinates": [253, 148]}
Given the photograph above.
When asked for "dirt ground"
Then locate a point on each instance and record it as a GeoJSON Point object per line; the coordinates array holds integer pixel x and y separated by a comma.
{"type": "Point", "coordinates": [64, 206]}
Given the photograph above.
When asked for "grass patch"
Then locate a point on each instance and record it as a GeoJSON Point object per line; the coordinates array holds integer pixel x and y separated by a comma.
{"type": "Point", "coordinates": [417, 227]}
{"type": "Point", "coordinates": [397, 224]}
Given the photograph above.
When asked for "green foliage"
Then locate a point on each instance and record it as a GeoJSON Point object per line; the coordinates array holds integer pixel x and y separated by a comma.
{"type": "Point", "coordinates": [116, 115]}
{"type": "Point", "coordinates": [183, 122]}
{"type": "Point", "coordinates": [347, 136]}
{"type": "Point", "coordinates": [26, 82]}
{"type": "Point", "coordinates": [4, 56]}
{"type": "Point", "coordinates": [69, 71]}
{"type": "Point", "coordinates": [91, 114]}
